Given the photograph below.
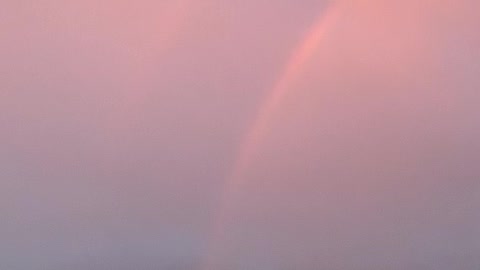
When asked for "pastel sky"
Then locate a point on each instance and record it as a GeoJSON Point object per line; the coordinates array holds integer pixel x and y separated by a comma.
{"type": "Point", "coordinates": [228, 134]}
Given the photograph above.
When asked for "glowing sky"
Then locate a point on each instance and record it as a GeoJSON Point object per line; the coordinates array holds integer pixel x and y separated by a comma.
{"type": "Point", "coordinates": [224, 134]}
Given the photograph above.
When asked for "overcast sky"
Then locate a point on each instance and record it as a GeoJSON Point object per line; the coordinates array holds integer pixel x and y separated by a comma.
{"type": "Point", "coordinates": [121, 122]}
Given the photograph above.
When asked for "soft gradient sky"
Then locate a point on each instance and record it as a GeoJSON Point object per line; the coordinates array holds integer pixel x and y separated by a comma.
{"type": "Point", "coordinates": [121, 122]}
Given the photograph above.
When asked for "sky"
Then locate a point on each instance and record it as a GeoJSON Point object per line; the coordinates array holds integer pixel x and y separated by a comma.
{"type": "Point", "coordinates": [225, 134]}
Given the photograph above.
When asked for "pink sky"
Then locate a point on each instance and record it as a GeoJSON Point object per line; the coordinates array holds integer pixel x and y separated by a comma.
{"type": "Point", "coordinates": [122, 125]}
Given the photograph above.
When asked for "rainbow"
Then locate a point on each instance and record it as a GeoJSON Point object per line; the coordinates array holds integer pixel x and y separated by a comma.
{"type": "Point", "coordinates": [297, 62]}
